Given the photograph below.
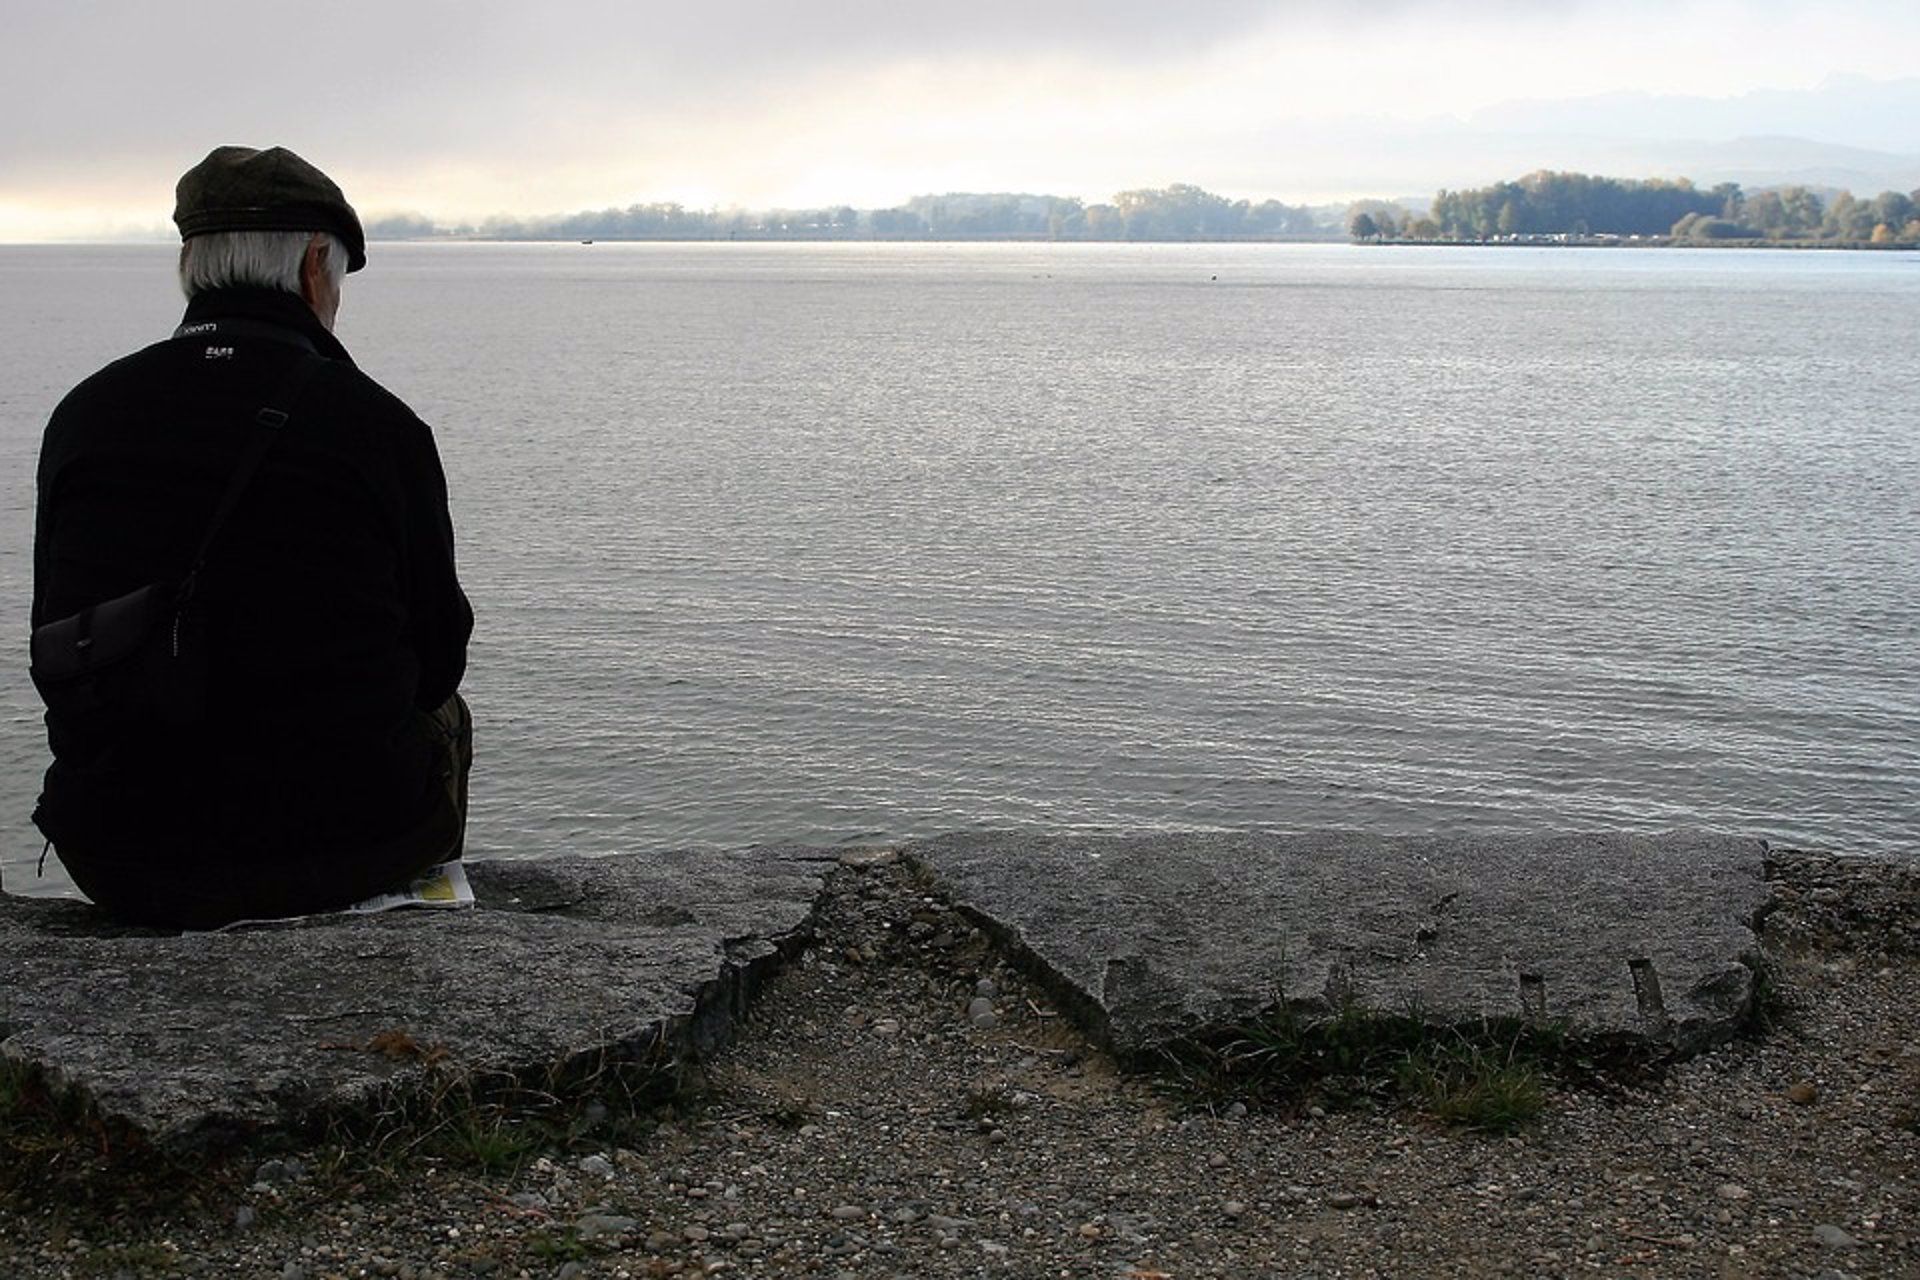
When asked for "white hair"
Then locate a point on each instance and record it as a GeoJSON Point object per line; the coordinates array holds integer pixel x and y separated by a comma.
{"type": "Point", "coordinates": [253, 259]}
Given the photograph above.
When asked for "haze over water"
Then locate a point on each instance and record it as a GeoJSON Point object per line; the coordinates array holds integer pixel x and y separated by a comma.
{"type": "Point", "coordinates": [855, 542]}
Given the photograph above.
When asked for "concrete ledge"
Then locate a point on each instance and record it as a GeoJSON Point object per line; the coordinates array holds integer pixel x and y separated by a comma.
{"type": "Point", "coordinates": [1648, 940]}
{"type": "Point", "coordinates": [197, 1038]}
{"type": "Point", "coordinates": [567, 962]}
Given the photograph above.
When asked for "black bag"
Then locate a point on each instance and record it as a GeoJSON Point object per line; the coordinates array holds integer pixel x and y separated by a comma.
{"type": "Point", "coordinates": [141, 658]}
{"type": "Point", "coordinates": [140, 654]}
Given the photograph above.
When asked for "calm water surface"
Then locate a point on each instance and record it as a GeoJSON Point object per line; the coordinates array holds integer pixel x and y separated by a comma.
{"type": "Point", "coordinates": [841, 542]}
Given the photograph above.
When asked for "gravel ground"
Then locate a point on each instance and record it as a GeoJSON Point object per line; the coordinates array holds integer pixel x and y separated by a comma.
{"type": "Point", "coordinates": [900, 1104]}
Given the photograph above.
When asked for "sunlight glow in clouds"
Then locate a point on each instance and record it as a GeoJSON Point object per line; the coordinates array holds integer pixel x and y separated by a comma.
{"type": "Point", "coordinates": [460, 111]}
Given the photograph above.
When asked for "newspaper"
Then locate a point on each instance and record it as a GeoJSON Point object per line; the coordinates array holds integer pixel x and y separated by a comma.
{"type": "Point", "coordinates": [440, 888]}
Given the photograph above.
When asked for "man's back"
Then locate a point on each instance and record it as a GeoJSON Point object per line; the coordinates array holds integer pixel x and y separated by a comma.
{"type": "Point", "coordinates": [330, 608]}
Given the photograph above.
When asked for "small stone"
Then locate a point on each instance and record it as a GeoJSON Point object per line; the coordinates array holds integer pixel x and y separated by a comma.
{"type": "Point", "coordinates": [986, 989]}
{"type": "Point", "coordinates": [1344, 1200]}
{"type": "Point", "coordinates": [570, 1271]}
{"type": "Point", "coordinates": [594, 1226]}
{"type": "Point", "coordinates": [1216, 1161]}
{"type": "Point", "coordinates": [594, 1113]}
{"type": "Point", "coordinates": [271, 1172]}
{"type": "Point", "coordinates": [596, 1166]}
{"type": "Point", "coordinates": [1833, 1237]}
{"type": "Point", "coordinates": [697, 1234]}
{"type": "Point", "coordinates": [1317, 1113]}
{"type": "Point", "coordinates": [887, 1027]}
{"type": "Point", "coordinates": [1733, 1191]}
{"type": "Point", "coordinates": [243, 1217]}
{"type": "Point", "coordinates": [1237, 1111]}
{"type": "Point", "coordinates": [532, 1201]}
{"type": "Point", "coordinates": [981, 1013]}
{"type": "Point", "coordinates": [848, 1213]}
{"type": "Point", "coordinates": [1233, 1208]}
{"type": "Point", "coordinates": [1802, 1093]}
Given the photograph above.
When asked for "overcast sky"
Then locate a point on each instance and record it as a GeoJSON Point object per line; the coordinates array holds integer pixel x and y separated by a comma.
{"type": "Point", "coordinates": [461, 110]}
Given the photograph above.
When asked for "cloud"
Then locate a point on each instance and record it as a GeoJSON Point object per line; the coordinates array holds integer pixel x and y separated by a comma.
{"type": "Point", "coordinates": [464, 109]}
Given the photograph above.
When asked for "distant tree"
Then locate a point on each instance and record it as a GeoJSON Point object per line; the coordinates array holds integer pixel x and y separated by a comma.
{"type": "Point", "coordinates": [1363, 227]}
{"type": "Point", "coordinates": [401, 226]}
{"type": "Point", "coordinates": [1848, 218]}
{"type": "Point", "coordinates": [1893, 208]}
{"type": "Point", "coordinates": [1803, 209]}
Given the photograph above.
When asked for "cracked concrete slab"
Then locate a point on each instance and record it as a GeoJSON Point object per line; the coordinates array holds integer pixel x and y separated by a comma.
{"type": "Point", "coordinates": [198, 1037]}
{"type": "Point", "coordinates": [1645, 939]}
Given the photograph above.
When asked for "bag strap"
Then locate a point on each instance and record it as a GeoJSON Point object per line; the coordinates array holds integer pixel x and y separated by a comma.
{"type": "Point", "coordinates": [267, 416]}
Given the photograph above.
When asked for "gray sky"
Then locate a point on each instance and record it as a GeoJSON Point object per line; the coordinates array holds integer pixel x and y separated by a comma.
{"type": "Point", "coordinates": [461, 110]}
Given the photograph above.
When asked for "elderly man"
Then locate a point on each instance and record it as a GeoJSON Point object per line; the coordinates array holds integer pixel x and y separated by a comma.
{"type": "Point", "coordinates": [286, 736]}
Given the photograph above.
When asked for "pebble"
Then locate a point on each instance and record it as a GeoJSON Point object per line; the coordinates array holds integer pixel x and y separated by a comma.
{"type": "Point", "coordinates": [1344, 1200]}
{"type": "Point", "coordinates": [593, 1226]}
{"type": "Point", "coordinates": [596, 1166]}
{"type": "Point", "coordinates": [848, 1213]}
{"type": "Point", "coordinates": [244, 1216]}
{"type": "Point", "coordinates": [887, 1027]}
{"type": "Point", "coordinates": [1216, 1161]}
{"type": "Point", "coordinates": [981, 1013]}
{"type": "Point", "coordinates": [1233, 1208]}
{"type": "Point", "coordinates": [1802, 1093]}
{"type": "Point", "coordinates": [1733, 1191]}
{"type": "Point", "coordinates": [1833, 1237]}
{"type": "Point", "coordinates": [986, 989]}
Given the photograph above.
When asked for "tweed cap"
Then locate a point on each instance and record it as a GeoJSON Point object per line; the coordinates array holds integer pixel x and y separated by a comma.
{"type": "Point", "coordinates": [241, 189]}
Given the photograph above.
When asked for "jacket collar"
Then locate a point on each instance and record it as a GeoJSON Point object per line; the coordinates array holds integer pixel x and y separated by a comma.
{"type": "Point", "coordinates": [266, 306]}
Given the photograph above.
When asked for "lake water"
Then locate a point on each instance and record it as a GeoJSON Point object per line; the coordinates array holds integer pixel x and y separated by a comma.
{"type": "Point", "coordinates": [852, 542]}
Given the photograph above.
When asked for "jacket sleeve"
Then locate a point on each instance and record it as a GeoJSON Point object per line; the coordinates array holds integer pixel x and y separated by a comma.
{"type": "Point", "coordinates": [440, 620]}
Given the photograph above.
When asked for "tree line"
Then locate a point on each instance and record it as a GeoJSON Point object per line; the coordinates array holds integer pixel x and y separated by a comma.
{"type": "Point", "coordinates": [1177, 212]}
{"type": "Point", "coordinates": [1582, 205]}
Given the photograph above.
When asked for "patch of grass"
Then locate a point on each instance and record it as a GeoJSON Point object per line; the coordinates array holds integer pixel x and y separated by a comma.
{"type": "Point", "coordinates": [988, 1103]}
{"type": "Point", "coordinates": [1487, 1077]}
{"type": "Point", "coordinates": [560, 1245]}
{"type": "Point", "coordinates": [1771, 1008]}
{"type": "Point", "coordinates": [57, 1151]}
{"type": "Point", "coordinates": [490, 1142]}
{"type": "Point", "coordinates": [497, 1122]}
{"type": "Point", "coordinates": [1481, 1088]}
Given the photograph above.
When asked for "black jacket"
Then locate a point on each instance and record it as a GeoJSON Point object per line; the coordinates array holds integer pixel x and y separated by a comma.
{"type": "Point", "coordinates": [331, 606]}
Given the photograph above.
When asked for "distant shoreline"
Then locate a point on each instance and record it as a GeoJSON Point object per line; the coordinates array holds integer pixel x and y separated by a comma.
{"type": "Point", "coordinates": [1639, 242]}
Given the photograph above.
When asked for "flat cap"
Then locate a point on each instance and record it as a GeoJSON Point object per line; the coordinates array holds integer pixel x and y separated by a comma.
{"type": "Point", "coordinates": [242, 189]}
